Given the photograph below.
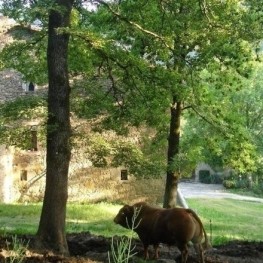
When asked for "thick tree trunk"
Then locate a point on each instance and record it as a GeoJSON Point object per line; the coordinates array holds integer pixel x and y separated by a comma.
{"type": "Point", "coordinates": [172, 176]}
{"type": "Point", "coordinates": [51, 232]}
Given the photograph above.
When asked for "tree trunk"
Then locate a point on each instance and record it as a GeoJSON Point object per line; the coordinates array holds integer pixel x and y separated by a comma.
{"type": "Point", "coordinates": [173, 175]}
{"type": "Point", "coordinates": [51, 232]}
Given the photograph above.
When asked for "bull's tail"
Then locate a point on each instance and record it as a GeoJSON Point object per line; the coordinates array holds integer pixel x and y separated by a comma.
{"type": "Point", "coordinates": [206, 244]}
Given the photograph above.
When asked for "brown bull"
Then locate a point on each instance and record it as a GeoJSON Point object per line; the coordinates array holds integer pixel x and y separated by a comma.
{"type": "Point", "coordinates": [174, 226]}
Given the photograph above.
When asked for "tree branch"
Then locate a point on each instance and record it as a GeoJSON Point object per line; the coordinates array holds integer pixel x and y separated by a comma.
{"type": "Point", "coordinates": [202, 116]}
{"type": "Point", "coordinates": [137, 26]}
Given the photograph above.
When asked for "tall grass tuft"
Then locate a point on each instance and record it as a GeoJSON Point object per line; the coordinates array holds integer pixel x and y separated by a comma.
{"type": "Point", "coordinates": [123, 250]}
{"type": "Point", "coordinates": [17, 253]}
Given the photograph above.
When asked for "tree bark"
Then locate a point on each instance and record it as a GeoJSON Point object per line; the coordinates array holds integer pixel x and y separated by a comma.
{"type": "Point", "coordinates": [51, 231]}
{"type": "Point", "coordinates": [172, 176]}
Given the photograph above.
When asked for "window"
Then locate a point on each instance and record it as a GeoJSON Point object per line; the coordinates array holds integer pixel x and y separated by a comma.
{"type": "Point", "coordinates": [33, 139]}
{"type": "Point", "coordinates": [23, 175]}
{"type": "Point", "coordinates": [31, 86]}
{"type": "Point", "coordinates": [124, 174]}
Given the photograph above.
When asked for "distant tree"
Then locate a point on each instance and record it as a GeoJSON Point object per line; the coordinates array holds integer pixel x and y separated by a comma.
{"type": "Point", "coordinates": [159, 52]}
{"type": "Point", "coordinates": [237, 146]}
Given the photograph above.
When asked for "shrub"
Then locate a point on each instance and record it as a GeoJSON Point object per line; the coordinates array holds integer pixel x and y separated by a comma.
{"type": "Point", "coordinates": [258, 189]}
{"type": "Point", "coordinates": [217, 179]}
{"type": "Point", "coordinates": [229, 184]}
{"type": "Point", "coordinates": [242, 183]}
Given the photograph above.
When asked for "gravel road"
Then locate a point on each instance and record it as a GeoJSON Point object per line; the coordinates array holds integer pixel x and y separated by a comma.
{"type": "Point", "coordinates": [198, 190]}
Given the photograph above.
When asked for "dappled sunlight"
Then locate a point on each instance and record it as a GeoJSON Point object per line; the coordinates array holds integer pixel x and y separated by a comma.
{"type": "Point", "coordinates": [95, 218]}
{"type": "Point", "coordinates": [226, 238]}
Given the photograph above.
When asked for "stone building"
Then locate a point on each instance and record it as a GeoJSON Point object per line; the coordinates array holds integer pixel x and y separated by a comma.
{"type": "Point", "coordinates": [15, 165]}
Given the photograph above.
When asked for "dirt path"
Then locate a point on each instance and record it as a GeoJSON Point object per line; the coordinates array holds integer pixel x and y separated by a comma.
{"type": "Point", "coordinates": [198, 190]}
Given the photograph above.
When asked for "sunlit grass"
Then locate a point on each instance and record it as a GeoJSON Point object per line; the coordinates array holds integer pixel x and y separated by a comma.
{"type": "Point", "coordinates": [96, 218]}
{"type": "Point", "coordinates": [230, 219]}
{"type": "Point", "coordinates": [18, 218]}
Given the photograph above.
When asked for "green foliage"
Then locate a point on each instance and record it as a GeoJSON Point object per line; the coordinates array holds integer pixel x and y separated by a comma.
{"type": "Point", "coordinates": [30, 62]}
{"type": "Point", "coordinates": [131, 57]}
{"type": "Point", "coordinates": [27, 12]}
{"type": "Point", "coordinates": [27, 108]}
{"type": "Point", "coordinates": [112, 150]}
{"type": "Point", "coordinates": [228, 130]}
{"type": "Point", "coordinates": [229, 184]}
{"type": "Point", "coordinates": [152, 62]}
{"type": "Point", "coordinates": [245, 183]}
{"type": "Point", "coordinates": [14, 118]}
{"type": "Point", "coordinates": [27, 54]}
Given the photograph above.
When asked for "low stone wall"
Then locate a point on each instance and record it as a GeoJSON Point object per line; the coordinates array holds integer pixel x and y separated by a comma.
{"type": "Point", "coordinates": [22, 177]}
{"type": "Point", "coordinates": [96, 185]}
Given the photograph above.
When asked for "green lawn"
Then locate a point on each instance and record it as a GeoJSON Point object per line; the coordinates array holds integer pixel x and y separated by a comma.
{"type": "Point", "coordinates": [231, 219]}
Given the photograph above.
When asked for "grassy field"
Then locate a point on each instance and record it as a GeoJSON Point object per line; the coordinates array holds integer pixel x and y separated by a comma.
{"type": "Point", "coordinates": [230, 219]}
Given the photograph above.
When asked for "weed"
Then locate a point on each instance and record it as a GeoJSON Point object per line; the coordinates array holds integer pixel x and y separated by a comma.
{"type": "Point", "coordinates": [123, 249]}
{"type": "Point", "coordinates": [18, 251]}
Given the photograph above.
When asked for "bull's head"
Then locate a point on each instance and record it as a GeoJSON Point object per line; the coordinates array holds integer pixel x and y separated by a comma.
{"type": "Point", "coordinates": [124, 217]}
{"type": "Point", "coordinates": [128, 216]}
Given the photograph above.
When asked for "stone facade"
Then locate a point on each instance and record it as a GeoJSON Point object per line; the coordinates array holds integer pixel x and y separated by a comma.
{"type": "Point", "coordinates": [5, 24]}
{"type": "Point", "coordinates": [203, 167]}
{"type": "Point", "coordinates": [23, 180]}
{"type": "Point", "coordinates": [6, 174]}
{"type": "Point", "coordinates": [10, 85]}
{"type": "Point", "coordinates": [99, 184]}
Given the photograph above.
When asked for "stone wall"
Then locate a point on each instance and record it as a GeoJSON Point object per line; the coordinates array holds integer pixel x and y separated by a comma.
{"type": "Point", "coordinates": [97, 184]}
{"type": "Point", "coordinates": [5, 24]}
{"type": "Point", "coordinates": [203, 167]}
{"type": "Point", "coordinates": [6, 175]}
{"type": "Point", "coordinates": [10, 85]}
{"type": "Point", "coordinates": [22, 177]}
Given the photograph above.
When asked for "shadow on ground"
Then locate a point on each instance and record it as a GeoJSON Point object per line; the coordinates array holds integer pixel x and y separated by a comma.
{"type": "Point", "coordinates": [87, 248]}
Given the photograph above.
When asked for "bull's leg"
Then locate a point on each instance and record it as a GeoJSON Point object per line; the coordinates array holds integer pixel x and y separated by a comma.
{"type": "Point", "coordinates": [146, 252]}
{"type": "Point", "coordinates": [199, 250]}
{"type": "Point", "coordinates": [156, 251]}
{"type": "Point", "coordinates": [184, 252]}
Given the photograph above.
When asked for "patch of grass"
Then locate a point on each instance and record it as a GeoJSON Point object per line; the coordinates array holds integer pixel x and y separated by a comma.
{"type": "Point", "coordinates": [230, 219]}
{"type": "Point", "coordinates": [96, 218]}
{"type": "Point", "coordinates": [248, 192]}
{"type": "Point", "coordinates": [19, 218]}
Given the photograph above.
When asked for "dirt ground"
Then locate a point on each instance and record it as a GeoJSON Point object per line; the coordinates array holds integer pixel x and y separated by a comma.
{"type": "Point", "coordinates": [87, 248]}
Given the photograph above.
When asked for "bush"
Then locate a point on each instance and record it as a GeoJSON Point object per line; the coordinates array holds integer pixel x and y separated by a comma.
{"type": "Point", "coordinates": [258, 189]}
{"type": "Point", "coordinates": [229, 184]}
{"type": "Point", "coordinates": [217, 179]}
{"type": "Point", "coordinates": [242, 183]}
